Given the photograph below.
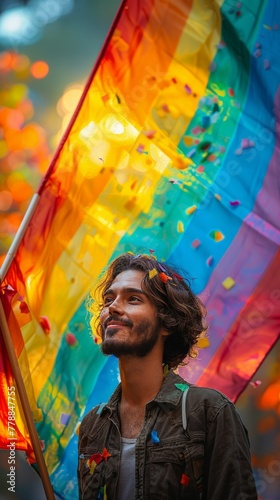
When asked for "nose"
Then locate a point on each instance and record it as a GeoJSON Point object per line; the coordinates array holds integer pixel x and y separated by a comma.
{"type": "Point", "coordinates": [115, 307]}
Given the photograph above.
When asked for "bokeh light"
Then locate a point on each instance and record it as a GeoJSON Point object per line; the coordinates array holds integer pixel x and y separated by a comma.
{"type": "Point", "coordinates": [39, 69]}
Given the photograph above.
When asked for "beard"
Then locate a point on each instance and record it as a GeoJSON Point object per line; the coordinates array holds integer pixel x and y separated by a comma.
{"type": "Point", "coordinates": [145, 337]}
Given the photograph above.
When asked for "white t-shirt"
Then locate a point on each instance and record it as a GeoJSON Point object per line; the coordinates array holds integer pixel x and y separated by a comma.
{"type": "Point", "coordinates": [126, 483]}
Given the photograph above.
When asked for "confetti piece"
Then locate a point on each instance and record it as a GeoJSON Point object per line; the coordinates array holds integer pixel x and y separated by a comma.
{"type": "Point", "coordinates": [105, 97]}
{"type": "Point", "coordinates": [276, 27]}
{"type": "Point", "coordinates": [165, 108]}
{"type": "Point", "coordinates": [255, 383]}
{"type": "Point", "coordinates": [154, 436]}
{"type": "Point", "coordinates": [105, 454]}
{"type": "Point", "coordinates": [23, 308]}
{"type": "Point", "coordinates": [210, 261]}
{"type": "Point", "coordinates": [91, 466]}
{"type": "Point", "coordinates": [177, 276]}
{"type": "Point", "coordinates": [191, 209]}
{"type": "Point", "coordinates": [96, 457]}
{"type": "Point", "coordinates": [173, 80]}
{"type": "Point", "coordinates": [163, 277]}
{"type": "Point", "coordinates": [182, 387]}
{"type": "Point", "coordinates": [45, 324]}
{"type": "Point", "coordinates": [102, 495]}
{"type": "Point", "coordinates": [180, 227]}
{"type": "Point", "coordinates": [133, 185]}
{"type": "Point", "coordinates": [231, 92]}
{"type": "Point", "coordinates": [71, 339]}
{"type": "Point", "coordinates": [246, 143]}
{"type": "Point", "coordinates": [150, 134]}
{"type": "Point", "coordinates": [200, 169]}
{"type": "Point", "coordinates": [130, 204]}
{"type": "Point", "coordinates": [211, 157]}
{"type": "Point", "coordinates": [257, 53]}
{"type": "Point", "coordinates": [191, 153]}
{"type": "Point", "coordinates": [216, 235]}
{"type": "Point", "coordinates": [187, 89]}
{"type": "Point", "coordinates": [185, 480]}
{"type": "Point", "coordinates": [151, 251]}
{"type": "Point", "coordinates": [196, 243]}
{"type": "Point", "coordinates": [42, 444]}
{"type": "Point", "coordinates": [188, 140]}
{"type": "Point", "coordinates": [181, 162]}
{"type": "Point", "coordinates": [196, 130]}
{"type": "Point", "coordinates": [218, 197]}
{"type": "Point", "coordinates": [205, 121]}
{"type": "Point", "coordinates": [141, 149]}
{"type": "Point", "coordinates": [267, 27]}
{"type": "Point", "coordinates": [234, 203]}
{"type": "Point", "coordinates": [266, 64]}
{"type": "Point", "coordinates": [228, 283]}
{"type": "Point", "coordinates": [238, 152]}
{"type": "Point", "coordinates": [64, 418]}
{"type": "Point", "coordinates": [152, 273]}
{"type": "Point", "coordinates": [203, 343]}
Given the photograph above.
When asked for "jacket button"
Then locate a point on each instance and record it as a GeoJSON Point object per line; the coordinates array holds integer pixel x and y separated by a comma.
{"type": "Point", "coordinates": [181, 456]}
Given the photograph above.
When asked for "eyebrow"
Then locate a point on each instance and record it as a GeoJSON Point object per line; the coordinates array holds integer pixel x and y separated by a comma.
{"type": "Point", "coordinates": [125, 290]}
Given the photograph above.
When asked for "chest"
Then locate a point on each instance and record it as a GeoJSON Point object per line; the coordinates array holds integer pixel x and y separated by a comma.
{"type": "Point", "coordinates": [132, 420]}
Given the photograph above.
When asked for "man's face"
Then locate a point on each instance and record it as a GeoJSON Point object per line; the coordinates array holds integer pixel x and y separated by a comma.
{"type": "Point", "coordinates": [129, 319]}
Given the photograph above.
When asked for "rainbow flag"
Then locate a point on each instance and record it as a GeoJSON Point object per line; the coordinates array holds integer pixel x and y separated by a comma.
{"type": "Point", "coordinates": [173, 149]}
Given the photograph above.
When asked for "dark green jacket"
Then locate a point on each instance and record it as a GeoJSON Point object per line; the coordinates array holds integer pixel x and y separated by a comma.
{"type": "Point", "coordinates": [209, 460]}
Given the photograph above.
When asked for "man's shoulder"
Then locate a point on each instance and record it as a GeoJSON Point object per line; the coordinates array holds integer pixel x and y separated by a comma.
{"type": "Point", "coordinates": [202, 394]}
{"type": "Point", "coordinates": [209, 395]}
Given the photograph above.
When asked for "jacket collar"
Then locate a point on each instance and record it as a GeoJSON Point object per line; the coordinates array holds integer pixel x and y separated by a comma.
{"type": "Point", "coordinates": [169, 394]}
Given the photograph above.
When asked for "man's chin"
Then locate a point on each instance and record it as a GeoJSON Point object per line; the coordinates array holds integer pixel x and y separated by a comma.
{"type": "Point", "coordinates": [110, 346]}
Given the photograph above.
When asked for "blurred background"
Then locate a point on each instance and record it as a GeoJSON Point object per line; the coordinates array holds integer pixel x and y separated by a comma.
{"type": "Point", "coordinates": [47, 51]}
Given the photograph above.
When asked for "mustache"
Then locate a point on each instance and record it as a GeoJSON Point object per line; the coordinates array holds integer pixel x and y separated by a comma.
{"type": "Point", "coordinates": [125, 322]}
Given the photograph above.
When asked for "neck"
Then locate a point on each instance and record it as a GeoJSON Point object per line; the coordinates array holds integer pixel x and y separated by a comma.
{"type": "Point", "coordinates": [141, 379]}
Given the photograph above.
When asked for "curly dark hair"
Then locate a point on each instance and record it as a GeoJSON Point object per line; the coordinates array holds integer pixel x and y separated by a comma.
{"type": "Point", "coordinates": [180, 311]}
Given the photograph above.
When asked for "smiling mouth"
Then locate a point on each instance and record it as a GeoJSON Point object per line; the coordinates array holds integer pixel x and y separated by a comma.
{"type": "Point", "coordinates": [115, 325]}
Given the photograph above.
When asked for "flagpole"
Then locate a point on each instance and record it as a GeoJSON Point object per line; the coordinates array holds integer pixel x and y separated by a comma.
{"type": "Point", "coordinates": [25, 405]}
{"type": "Point", "coordinates": [18, 237]}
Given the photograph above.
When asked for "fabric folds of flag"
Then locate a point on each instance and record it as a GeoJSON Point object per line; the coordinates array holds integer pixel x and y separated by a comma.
{"type": "Point", "coordinates": [173, 148]}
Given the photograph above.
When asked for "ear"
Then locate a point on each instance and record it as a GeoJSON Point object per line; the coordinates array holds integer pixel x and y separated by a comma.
{"type": "Point", "coordinates": [165, 333]}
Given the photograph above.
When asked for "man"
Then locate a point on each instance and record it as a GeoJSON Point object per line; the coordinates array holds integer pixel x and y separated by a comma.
{"type": "Point", "coordinates": [158, 437]}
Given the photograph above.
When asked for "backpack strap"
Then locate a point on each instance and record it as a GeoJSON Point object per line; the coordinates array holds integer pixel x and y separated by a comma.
{"type": "Point", "coordinates": [101, 406]}
{"type": "Point", "coordinates": [184, 414]}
